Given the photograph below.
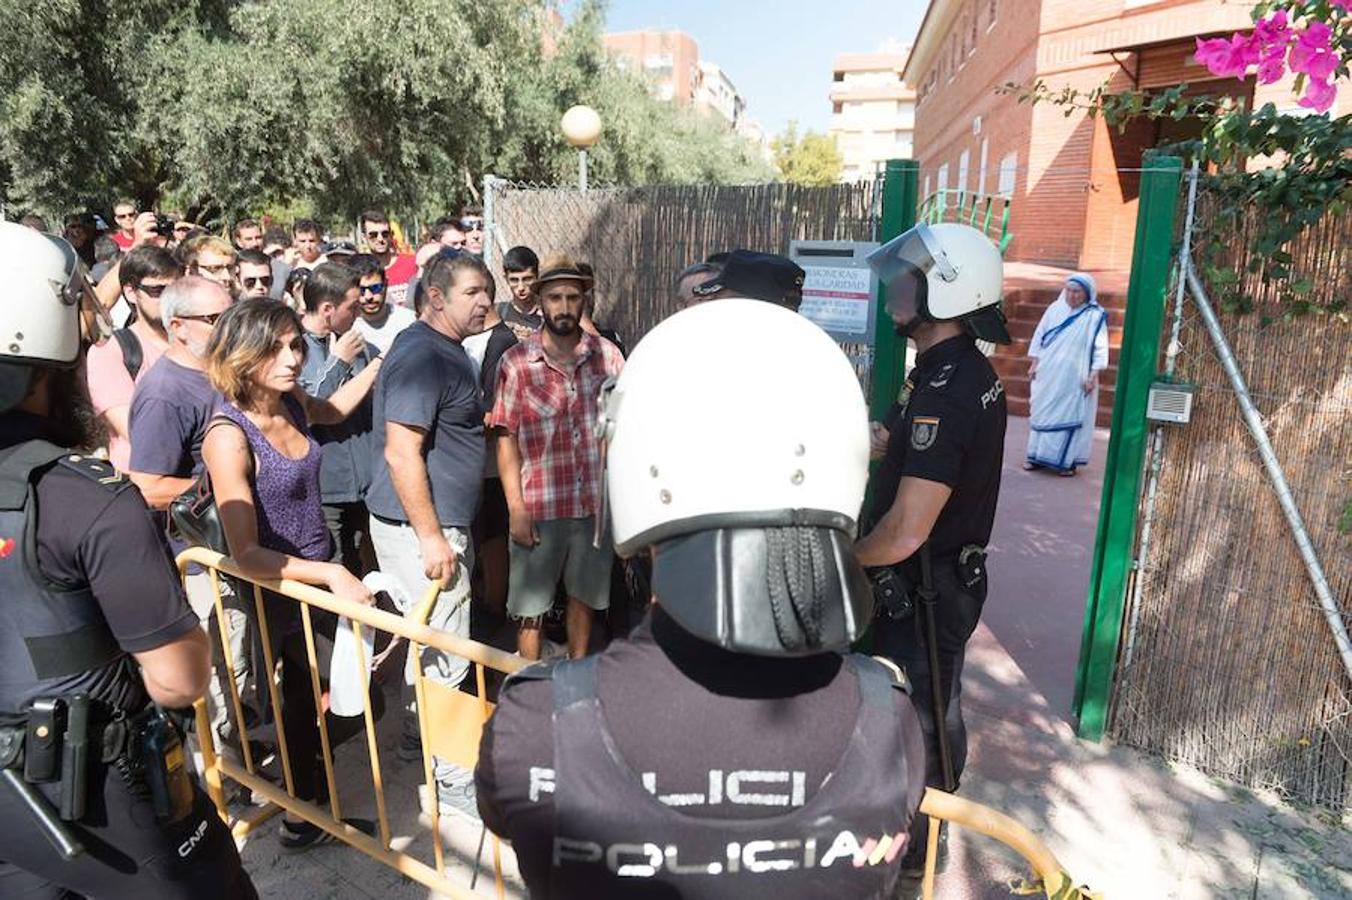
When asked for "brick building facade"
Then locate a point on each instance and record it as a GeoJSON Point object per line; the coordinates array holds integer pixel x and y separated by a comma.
{"type": "Point", "coordinates": [1071, 203]}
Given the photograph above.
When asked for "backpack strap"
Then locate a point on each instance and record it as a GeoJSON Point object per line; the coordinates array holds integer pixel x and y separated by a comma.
{"type": "Point", "coordinates": [132, 355]}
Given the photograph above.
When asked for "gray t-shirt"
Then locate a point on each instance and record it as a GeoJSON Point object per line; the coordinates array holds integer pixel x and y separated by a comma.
{"type": "Point", "coordinates": [168, 419]}
{"type": "Point", "coordinates": [429, 382]}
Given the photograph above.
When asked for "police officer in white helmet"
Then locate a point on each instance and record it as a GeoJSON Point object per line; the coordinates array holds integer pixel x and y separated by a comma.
{"type": "Point", "coordinates": [934, 492]}
{"type": "Point", "coordinates": [731, 747]}
{"type": "Point", "coordinates": [95, 634]}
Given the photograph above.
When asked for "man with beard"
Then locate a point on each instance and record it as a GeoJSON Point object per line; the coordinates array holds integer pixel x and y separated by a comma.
{"type": "Point", "coordinates": [380, 321]}
{"type": "Point", "coordinates": [549, 459]}
{"type": "Point", "coordinates": [935, 491]}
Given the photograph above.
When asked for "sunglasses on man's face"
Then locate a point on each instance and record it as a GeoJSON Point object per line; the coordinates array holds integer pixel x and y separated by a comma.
{"type": "Point", "coordinates": [208, 318]}
{"type": "Point", "coordinates": [378, 234]}
{"type": "Point", "coordinates": [130, 215]}
{"type": "Point", "coordinates": [253, 281]}
{"type": "Point", "coordinates": [378, 288]}
{"type": "Point", "coordinates": [151, 290]}
{"type": "Point", "coordinates": [471, 224]}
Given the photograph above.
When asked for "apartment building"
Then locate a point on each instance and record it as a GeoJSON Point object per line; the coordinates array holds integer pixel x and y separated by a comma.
{"type": "Point", "coordinates": [872, 111]}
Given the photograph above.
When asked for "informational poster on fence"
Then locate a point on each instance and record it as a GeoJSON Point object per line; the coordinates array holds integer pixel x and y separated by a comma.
{"type": "Point", "coordinates": [839, 289]}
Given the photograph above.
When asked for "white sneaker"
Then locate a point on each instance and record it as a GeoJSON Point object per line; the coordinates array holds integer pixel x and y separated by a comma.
{"type": "Point", "coordinates": [455, 793]}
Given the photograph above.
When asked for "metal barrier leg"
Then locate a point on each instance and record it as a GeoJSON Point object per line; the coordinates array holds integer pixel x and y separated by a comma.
{"type": "Point", "coordinates": [373, 752]}
{"type": "Point", "coordinates": [931, 858]}
{"type": "Point", "coordinates": [210, 770]}
{"type": "Point", "coordinates": [270, 678]}
{"type": "Point", "coordinates": [326, 751]}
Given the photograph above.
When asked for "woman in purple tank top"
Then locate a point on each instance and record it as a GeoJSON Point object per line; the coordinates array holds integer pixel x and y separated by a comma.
{"type": "Point", "coordinates": [264, 468]}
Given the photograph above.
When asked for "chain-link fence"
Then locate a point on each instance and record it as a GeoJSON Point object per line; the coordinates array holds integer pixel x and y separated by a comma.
{"type": "Point", "coordinates": [639, 238]}
{"type": "Point", "coordinates": [1228, 663]}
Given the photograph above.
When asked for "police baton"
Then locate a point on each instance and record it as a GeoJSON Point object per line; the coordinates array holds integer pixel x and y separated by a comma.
{"type": "Point", "coordinates": [938, 702]}
{"type": "Point", "coordinates": [65, 842]}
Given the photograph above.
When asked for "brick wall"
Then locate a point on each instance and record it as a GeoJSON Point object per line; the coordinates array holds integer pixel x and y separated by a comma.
{"type": "Point", "coordinates": [1071, 206]}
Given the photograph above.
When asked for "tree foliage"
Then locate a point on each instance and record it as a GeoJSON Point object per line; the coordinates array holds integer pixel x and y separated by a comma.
{"type": "Point", "coordinates": [812, 159]}
{"type": "Point", "coordinates": [326, 106]}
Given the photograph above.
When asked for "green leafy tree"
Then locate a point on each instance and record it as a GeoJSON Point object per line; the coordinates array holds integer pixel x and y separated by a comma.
{"type": "Point", "coordinates": [812, 159]}
{"type": "Point", "coordinates": [222, 107]}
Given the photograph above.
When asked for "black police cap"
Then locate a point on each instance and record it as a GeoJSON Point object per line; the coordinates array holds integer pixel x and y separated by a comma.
{"type": "Point", "coordinates": [756, 276]}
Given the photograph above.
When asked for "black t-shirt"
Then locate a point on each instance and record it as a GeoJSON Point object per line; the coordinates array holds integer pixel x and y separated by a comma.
{"type": "Point", "coordinates": [102, 535]}
{"type": "Point", "coordinates": [677, 708]}
{"type": "Point", "coordinates": [949, 427]}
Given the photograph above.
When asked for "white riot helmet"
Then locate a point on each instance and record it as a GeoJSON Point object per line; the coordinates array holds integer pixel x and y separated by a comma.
{"type": "Point", "coordinates": [738, 447]}
{"type": "Point", "coordinates": [958, 272]}
{"type": "Point", "coordinates": [40, 313]}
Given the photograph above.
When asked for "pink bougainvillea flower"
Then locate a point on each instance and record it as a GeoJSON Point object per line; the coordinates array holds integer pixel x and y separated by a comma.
{"type": "Point", "coordinates": [1312, 53]}
{"type": "Point", "coordinates": [1319, 95]}
{"type": "Point", "coordinates": [1275, 29]}
{"type": "Point", "coordinates": [1229, 57]}
{"type": "Point", "coordinates": [1272, 68]}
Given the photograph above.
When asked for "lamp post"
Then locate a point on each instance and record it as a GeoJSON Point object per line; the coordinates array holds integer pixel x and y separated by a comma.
{"type": "Point", "coordinates": [581, 128]}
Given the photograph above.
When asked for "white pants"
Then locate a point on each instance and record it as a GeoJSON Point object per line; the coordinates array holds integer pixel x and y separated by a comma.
{"type": "Point", "coordinates": [400, 558]}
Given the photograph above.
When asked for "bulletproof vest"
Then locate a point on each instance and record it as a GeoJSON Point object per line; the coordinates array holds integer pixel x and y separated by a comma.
{"type": "Point", "coordinates": [614, 838]}
{"type": "Point", "coordinates": [53, 637]}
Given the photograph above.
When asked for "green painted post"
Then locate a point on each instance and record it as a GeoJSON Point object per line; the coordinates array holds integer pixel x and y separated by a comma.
{"type": "Point", "coordinates": [901, 197]}
{"type": "Point", "coordinates": [1136, 368]}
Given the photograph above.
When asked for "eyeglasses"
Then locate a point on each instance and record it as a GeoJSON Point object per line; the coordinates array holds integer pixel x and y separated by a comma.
{"type": "Point", "coordinates": [208, 318]}
{"type": "Point", "coordinates": [220, 269]}
{"type": "Point", "coordinates": [378, 288]}
{"type": "Point", "coordinates": [251, 280]}
{"type": "Point", "coordinates": [471, 224]}
{"type": "Point", "coordinates": [378, 234]}
{"type": "Point", "coordinates": [151, 290]}
{"type": "Point", "coordinates": [130, 215]}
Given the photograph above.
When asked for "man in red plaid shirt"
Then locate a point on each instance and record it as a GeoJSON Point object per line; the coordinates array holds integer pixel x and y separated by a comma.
{"type": "Point", "coordinates": [550, 461]}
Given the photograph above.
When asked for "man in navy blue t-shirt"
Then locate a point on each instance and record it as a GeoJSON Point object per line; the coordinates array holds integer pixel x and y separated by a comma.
{"type": "Point", "coordinates": [427, 475]}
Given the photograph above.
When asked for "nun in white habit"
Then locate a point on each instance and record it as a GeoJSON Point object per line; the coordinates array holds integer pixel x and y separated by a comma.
{"type": "Point", "coordinates": [1069, 349]}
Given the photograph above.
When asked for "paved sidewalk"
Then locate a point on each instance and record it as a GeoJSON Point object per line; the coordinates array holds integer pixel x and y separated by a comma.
{"type": "Point", "coordinates": [1129, 826]}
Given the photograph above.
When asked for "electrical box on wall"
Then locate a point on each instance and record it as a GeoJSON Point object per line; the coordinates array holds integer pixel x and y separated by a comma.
{"type": "Point", "coordinates": [1170, 403]}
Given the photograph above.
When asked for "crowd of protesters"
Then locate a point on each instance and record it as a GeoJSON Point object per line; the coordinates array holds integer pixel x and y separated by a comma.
{"type": "Point", "coordinates": [370, 421]}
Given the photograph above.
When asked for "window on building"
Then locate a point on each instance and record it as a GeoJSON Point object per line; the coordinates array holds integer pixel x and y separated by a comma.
{"type": "Point", "coordinates": [992, 8]}
{"type": "Point", "coordinates": [943, 177]}
{"type": "Point", "coordinates": [838, 76]}
{"type": "Point", "coordinates": [981, 170]}
{"type": "Point", "coordinates": [927, 193]}
{"type": "Point", "coordinates": [1009, 170]}
{"type": "Point", "coordinates": [972, 40]}
{"type": "Point", "coordinates": [964, 163]}
{"type": "Point", "coordinates": [836, 107]}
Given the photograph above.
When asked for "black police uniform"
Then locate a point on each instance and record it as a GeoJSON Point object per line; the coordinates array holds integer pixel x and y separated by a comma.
{"type": "Point", "coordinates": [666, 767]}
{"type": "Point", "coordinates": [83, 585]}
{"type": "Point", "coordinates": [948, 427]}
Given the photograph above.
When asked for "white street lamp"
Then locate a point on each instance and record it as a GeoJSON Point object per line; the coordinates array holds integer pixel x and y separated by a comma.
{"type": "Point", "coordinates": [581, 126]}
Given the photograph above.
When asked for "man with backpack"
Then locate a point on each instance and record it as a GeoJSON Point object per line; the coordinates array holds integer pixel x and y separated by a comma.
{"type": "Point", "coordinates": [113, 368]}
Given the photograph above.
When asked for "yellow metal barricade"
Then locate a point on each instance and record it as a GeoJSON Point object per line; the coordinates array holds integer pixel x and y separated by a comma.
{"type": "Point", "coordinates": [451, 724]}
{"type": "Point", "coordinates": [456, 725]}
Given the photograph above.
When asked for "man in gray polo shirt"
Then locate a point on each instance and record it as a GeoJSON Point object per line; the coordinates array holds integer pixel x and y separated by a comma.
{"type": "Point", "coordinates": [428, 475]}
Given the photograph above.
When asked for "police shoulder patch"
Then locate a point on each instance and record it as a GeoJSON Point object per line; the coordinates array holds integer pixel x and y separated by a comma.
{"type": "Point", "coordinates": [924, 431]}
{"type": "Point", "coordinates": [943, 376]}
{"type": "Point", "coordinates": [97, 470]}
